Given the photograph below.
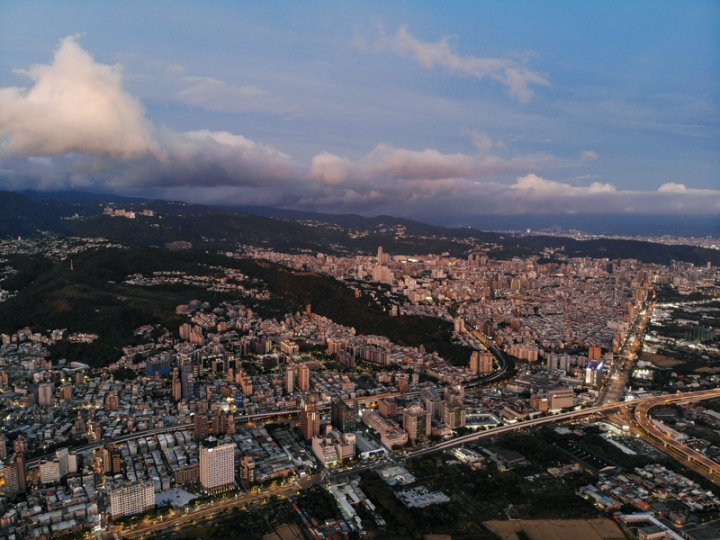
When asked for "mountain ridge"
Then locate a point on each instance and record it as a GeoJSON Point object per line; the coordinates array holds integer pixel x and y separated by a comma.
{"type": "Point", "coordinates": [216, 228]}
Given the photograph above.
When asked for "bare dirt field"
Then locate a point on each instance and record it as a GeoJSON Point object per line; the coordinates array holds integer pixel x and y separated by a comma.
{"type": "Point", "coordinates": [557, 529]}
{"type": "Point", "coordinates": [661, 361]}
{"type": "Point", "coordinates": [707, 370]}
{"type": "Point", "coordinates": [285, 532]}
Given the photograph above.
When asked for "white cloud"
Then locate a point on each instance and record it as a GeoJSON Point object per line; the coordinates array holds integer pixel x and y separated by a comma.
{"type": "Point", "coordinates": [386, 162]}
{"type": "Point", "coordinates": [516, 77]}
{"type": "Point", "coordinates": [535, 185]}
{"type": "Point", "coordinates": [77, 126]}
{"type": "Point", "coordinates": [483, 142]}
{"type": "Point", "coordinates": [672, 187]}
{"type": "Point", "coordinates": [533, 194]}
{"type": "Point", "coordinates": [79, 107]}
{"type": "Point", "coordinates": [74, 105]}
{"type": "Point", "coordinates": [331, 169]}
{"type": "Point", "coordinates": [217, 95]}
{"type": "Point", "coordinates": [161, 81]}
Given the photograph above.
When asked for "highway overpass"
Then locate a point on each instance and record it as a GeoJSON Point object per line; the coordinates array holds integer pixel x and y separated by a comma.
{"type": "Point", "coordinates": [664, 440]}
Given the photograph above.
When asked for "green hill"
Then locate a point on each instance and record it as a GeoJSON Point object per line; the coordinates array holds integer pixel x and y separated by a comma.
{"type": "Point", "coordinates": [93, 298]}
{"type": "Point", "coordinates": [212, 229]}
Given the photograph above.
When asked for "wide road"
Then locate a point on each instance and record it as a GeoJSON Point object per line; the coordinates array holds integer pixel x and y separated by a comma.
{"type": "Point", "coordinates": [563, 417]}
{"type": "Point", "coordinates": [664, 441]}
{"type": "Point", "coordinates": [622, 365]}
{"type": "Point", "coordinates": [180, 519]}
{"type": "Point", "coordinates": [641, 413]}
{"type": "Point", "coordinates": [488, 343]}
{"type": "Point", "coordinates": [502, 361]}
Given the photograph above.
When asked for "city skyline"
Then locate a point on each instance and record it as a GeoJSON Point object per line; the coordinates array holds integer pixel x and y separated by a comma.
{"type": "Point", "coordinates": [362, 107]}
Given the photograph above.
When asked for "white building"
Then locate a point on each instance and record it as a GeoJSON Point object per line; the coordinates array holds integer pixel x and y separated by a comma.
{"type": "Point", "coordinates": [132, 499]}
{"type": "Point", "coordinates": [62, 457]}
{"type": "Point", "coordinates": [217, 465]}
{"type": "Point", "coordinates": [325, 451]}
{"type": "Point", "coordinates": [49, 472]}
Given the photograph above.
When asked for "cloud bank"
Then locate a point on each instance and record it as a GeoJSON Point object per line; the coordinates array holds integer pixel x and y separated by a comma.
{"type": "Point", "coordinates": [76, 126]}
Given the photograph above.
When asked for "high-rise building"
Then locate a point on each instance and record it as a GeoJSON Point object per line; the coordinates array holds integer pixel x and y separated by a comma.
{"type": "Point", "coordinates": [185, 330]}
{"type": "Point", "coordinates": [46, 395]}
{"type": "Point", "coordinates": [49, 472]}
{"type": "Point", "coordinates": [290, 379]}
{"type": "Point", "coordinates": [132, 499]}
{"type": "Point", "coordinates": [22, 479]}
{"type": "Point", "coordinates": [595, 352]}
{"type": "Point", "coordinates": [481, 362]}
{"type": "Point", "coordinates": [245, 382]}
{"type": "Point", "coordinates": [188, 381]}
{"type": "Point", "coordinates": [111, 460]}
{"type": "Point", "coordinates": [3, 447]}
{"type": "Point", "coordinates": [217, 466]}
{"type": "Point", "coordinates": [382, 257]}
{"type": "Point", "coordinates": [20, 445]}
{"type": "Point", "coordinates": [72, 463]}
{"type": "Point", "coordinates": [417, 422]}
{"type": "Point", "coordinates": [176, 388]}
{"type": "Point", "coordinates": [14, 469]}
{"type": "Point", "coordinates": [431, 399]}
{"type": "Point", "coordinates": [459, 325]}
{"type": "Point", "coordinates": [382, 274]}
{"type": "Point", "coordinates": [539, 402]}
{"type": "Point", "coordinates": [247, 467]}
{"type": "Point", "coordinates": [309, 418]}
{"type": "Point", "coordinates": [112, 402]}
{"type": "Point", "coordinates": [387, 407]}
{"type": "Point", "coordinates": [325, 451]}
{"type": "Point", "coordinates": [200, 421]}
{"type": "Point", "coordinates": [79, 428]}
{"type": "Point", "coordinates": [594, 373]}
{"type": "Point", "coordinates": [453, 415]}
{"type": "Point", "coordinates": [560, 398]}
{"type": "Point", "coordinates": [63, 456]}
{"type": "Point", "coordinates": [455, 394]}
{"type": "Point", "coordinates": [343, 416]}
{"type": "Point", "coordinates": [223, 424]}
{"type": "Point", "coordinates": [344, 444]}
{"type": "Point", "coordinates": [304, 377]}
{"type": "Point", "coordinates": [67, 392]}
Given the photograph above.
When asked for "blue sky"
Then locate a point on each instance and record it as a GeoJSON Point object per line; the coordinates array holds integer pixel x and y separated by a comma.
{"type": "Point", "coordinates": [411, 108]}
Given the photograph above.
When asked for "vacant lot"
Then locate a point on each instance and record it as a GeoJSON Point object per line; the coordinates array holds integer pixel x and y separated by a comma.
{"type": "Point", "coordinates": [660, 360]}
{"type": "Point", "coordinates": [557, 529]}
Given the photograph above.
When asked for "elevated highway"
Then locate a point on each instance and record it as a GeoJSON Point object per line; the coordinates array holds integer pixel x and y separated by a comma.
{"type": "Point", "coordinates": [494, 432]}
{"type": "Point", "coordinates": [642, 406]}
{"type": "Point", "coordinates": [664, 441]}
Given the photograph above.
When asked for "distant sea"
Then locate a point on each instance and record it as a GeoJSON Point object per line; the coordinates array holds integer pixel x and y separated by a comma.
{"type": "Point", "coordinates": [624, 225]}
